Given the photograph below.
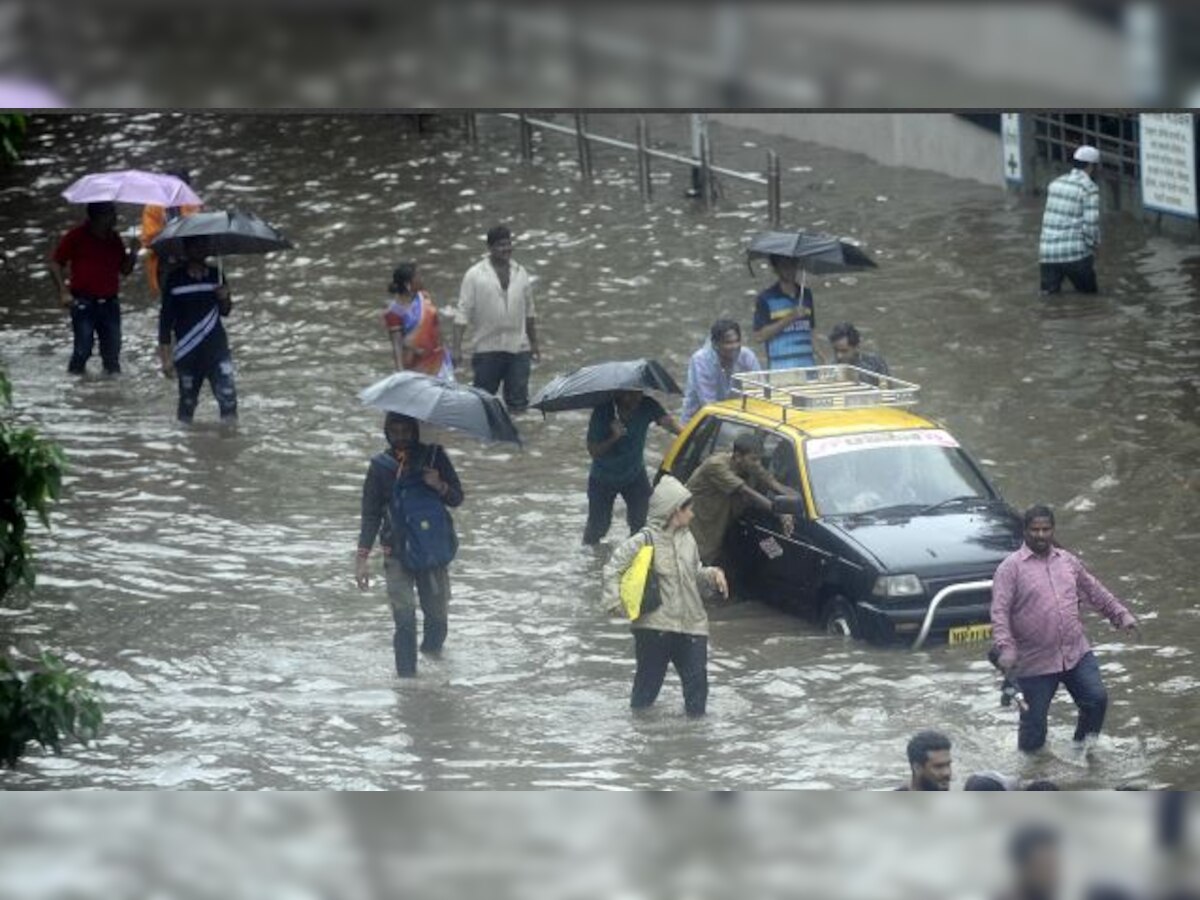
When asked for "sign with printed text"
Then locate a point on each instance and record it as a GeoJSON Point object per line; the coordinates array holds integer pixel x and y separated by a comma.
{"type": "Point", "coordinates": [1167, 149]}
{"type": "Point", "coordinates": [830, 446]}
{"type": "Point", "coordinates": [1010, 142]}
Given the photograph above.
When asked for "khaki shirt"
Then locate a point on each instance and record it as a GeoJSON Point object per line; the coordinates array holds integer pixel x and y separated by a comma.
{"type": "Point", "coordinates": [495, 317]}
{"type": "Point", "coordinates": [714, 488]}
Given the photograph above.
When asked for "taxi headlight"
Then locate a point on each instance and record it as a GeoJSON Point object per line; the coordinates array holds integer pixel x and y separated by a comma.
{"type": "Point", "coordinates": [898, 586]}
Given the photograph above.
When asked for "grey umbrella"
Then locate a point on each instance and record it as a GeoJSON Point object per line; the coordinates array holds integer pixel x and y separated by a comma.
{"type": "Point", "coordinates": [443, 403]}
{"type": "Point", "coordinates": [819, 253]}
{"type": "Point", "coordinates": [594, 385]}
{"type": "Point", "coordinates": [226, 233]}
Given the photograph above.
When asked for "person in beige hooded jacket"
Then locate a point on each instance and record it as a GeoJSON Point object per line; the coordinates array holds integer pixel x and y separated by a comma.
{"type": "Point", "coordinates": [676, 632]}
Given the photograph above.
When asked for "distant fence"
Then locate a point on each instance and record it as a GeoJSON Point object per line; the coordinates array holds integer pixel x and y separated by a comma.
{"type": "Point", "coordinates": [702, 165]}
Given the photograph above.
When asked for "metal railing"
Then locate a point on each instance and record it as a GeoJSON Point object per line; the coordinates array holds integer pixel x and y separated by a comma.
{"type": "Point", "coordinates": [950, 591]}
{"type": "Point", "coordinates": [824, 387]}
{"type": "Point", "coordinates": [584, 140]}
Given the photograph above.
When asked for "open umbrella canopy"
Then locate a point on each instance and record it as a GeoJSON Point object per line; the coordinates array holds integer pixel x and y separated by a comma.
{"type": "Point", "coordinates": [818, 252]}
{"type": "Point", "coordinates": [132, 186]}
{"type": "Point", "coordinates": [443, 403]}
{"type": "Point", "coordinates": [226, 233]}
{"type": "Point", "coordinates": [594, 385]}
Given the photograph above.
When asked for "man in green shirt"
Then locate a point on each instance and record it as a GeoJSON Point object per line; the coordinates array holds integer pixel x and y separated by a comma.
{"type": "Point", "coordinates": [723, 487]}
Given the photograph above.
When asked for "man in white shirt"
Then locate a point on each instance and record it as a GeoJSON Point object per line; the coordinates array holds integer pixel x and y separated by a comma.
{"type": "Point", "coordinates": [496, 302]}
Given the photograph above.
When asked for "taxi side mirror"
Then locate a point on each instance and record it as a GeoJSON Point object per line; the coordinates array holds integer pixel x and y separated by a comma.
{"type": "Point", "coordinates": [787, 505]}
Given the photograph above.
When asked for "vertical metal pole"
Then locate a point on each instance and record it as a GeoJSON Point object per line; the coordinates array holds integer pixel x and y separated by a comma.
{"type": "Point", "coordinates": [699, 129]}
{"type": "Point", "coordinates": [585, 149]}
{"type": "Point", "coordinates": [774, 204]}
{"type": "Point", "coordinates": [643, 160]}
{"type": "Point", "coordinates": [526, 138]}
{"type": "Point", "coordinates": [705, 174]}
{"type": "Point", "coordinates": [471, 124]}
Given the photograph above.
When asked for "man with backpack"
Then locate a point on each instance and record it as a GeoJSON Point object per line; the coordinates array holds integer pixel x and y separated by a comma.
{"type": "Point", "coordinates": [405, 501]}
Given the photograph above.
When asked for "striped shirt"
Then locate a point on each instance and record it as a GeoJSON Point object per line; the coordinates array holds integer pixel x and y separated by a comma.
{"type": "Point", "coordinates": [1071, 221]}
{"type": "Point", "coordinates": [191, 313]}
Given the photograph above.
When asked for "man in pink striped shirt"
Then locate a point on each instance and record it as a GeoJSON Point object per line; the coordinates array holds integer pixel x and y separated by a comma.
{"type": "Point", "coordinates": [1036, 596]}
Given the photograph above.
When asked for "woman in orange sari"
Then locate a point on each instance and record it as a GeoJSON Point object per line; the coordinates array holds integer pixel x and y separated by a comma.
{"type": "Point", "coordinates": [412, 323]}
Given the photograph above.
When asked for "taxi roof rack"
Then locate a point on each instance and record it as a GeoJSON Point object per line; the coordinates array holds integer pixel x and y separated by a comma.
{"type": "Point", "coordinates": [824, 387]}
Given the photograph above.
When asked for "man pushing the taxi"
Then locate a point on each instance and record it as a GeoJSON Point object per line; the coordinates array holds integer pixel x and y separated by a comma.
{"type": "Point", "coordinates": [724, 486]}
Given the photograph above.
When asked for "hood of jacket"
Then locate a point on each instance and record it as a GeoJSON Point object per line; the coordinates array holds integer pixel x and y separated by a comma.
{"type": "Point", "coordinates": [668, 496]}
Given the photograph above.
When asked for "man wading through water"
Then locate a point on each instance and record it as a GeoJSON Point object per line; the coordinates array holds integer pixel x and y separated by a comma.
{"type": "Point", "coordinates": [405, 495]}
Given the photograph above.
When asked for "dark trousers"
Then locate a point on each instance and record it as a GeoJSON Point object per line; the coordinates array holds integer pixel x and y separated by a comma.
{"type": "Point", "coordinates": [493, 367]}
{"type": "Point", "coordinates": [91, 319]}
{"type": "Point", "coordinates": [687, 652]}
{"type": "Point", "coordinates": [602, 496]}
{"type": "Point", "coordinates": [432, 587]}
{"type": "Point", "coordinates": [218, 370]}
{"type": "Point", "coordinates": [1086, 688]}
{"type": "Point", "coordinates": [1080, 272]}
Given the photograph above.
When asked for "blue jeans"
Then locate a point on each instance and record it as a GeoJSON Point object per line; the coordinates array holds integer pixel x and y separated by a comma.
{"type": "Point", "coordinates": [654, 650]}
{"type": "Point", "coordinates": [404, 588]}
{"type": "Point", "coordinates": [1086, 688]}
{"type": "Point", "coordinates": [218, 369]}
{"type": "Point", "coordinates": [602, 496]}
{"type": "Point", "coordinates": [92, 318]}
{"type": "Point", "coordinates": [492, 367]}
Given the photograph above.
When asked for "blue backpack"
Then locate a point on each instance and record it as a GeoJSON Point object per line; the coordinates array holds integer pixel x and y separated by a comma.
{"type": "Point", "coordinates": [422, 531]}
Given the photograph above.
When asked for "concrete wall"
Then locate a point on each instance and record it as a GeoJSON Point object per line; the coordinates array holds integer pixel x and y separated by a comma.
{"type": "Point", "coordinates": [940, 142]}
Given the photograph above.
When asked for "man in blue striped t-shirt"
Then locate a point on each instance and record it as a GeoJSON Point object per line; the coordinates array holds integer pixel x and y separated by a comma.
{"type": "Point", "coordinates": [194, 300]}
{"type": "Point", "coordinates": [1071, 226]}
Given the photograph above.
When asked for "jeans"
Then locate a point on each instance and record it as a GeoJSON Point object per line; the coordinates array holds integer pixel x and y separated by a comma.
{"type": "Point", "coordinates": [492, 367]}
{"type": "Point", "coordinates": [219, 372]}
{"type": "Point", "coordinates": [1086, 688]}
{"type": "Point", "coordinates": [602, 496]}
{"type": "Point", "coordinates": [403, 588]}
{"type": "Point", "coordinates": [91, 318]}
{"type": "Point", "coordinates": [689, 654]}
{"type": "Point", "coordinates": [1081, 272]}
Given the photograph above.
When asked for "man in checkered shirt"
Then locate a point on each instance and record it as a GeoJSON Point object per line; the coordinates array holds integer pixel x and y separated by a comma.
{"type": "Point", "coordinates": [1071, 226]}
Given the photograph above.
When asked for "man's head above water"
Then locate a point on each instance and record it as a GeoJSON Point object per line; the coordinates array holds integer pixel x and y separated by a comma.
{"type": "Point", "coordinates": [929, 760]}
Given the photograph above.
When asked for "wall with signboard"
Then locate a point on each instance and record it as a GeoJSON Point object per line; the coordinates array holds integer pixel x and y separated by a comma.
{"type": "Point", "coordinates": [1168, 163]}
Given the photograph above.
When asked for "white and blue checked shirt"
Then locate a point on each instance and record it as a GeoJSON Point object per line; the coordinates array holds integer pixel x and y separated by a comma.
{"type": "Point", "coordinates": [1071, 222]}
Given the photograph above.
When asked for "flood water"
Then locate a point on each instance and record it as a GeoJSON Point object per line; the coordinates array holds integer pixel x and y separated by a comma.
{"type": "Point", "coordinates": [204, 580]}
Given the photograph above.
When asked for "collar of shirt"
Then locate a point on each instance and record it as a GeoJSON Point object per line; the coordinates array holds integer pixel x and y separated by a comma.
{"type": "Point", "coordinates": [1026, 551]}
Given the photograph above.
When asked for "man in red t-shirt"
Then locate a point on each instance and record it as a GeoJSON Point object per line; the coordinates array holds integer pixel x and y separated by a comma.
{"type": "Point", "coordinates": [96, 258]}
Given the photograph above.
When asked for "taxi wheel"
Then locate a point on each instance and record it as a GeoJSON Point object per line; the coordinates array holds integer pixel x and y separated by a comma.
{"type": "Point", "coordinates": [840, 618]}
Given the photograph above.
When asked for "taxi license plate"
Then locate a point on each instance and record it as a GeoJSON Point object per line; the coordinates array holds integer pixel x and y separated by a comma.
{"type": "Point", "coordinates": [970, 634]}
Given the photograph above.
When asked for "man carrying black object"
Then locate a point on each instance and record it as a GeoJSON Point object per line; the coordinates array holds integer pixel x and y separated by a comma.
{"type": "Point", "coordinates": [406, 460]}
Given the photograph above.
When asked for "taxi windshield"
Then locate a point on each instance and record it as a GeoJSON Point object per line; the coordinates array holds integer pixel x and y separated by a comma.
{"type": "Point", "coordinates": [898, 470]}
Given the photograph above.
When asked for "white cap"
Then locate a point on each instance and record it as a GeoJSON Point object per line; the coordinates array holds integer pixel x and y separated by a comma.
{"type": "Point", "coordinates": [1087, 154]}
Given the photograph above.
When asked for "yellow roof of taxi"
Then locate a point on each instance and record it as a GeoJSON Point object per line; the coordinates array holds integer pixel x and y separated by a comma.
{"type": "Point", "coordinates": [824, 422]}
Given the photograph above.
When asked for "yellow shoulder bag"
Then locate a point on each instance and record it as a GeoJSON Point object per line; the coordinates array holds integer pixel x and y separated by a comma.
{"type": "Point", "coordinates": [639, 584]}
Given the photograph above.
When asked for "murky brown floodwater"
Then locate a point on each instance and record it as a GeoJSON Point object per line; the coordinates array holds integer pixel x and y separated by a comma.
{"type": "Point", "coordinates": [204, 581]}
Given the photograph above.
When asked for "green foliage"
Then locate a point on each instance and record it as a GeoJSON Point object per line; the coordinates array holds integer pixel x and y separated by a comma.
{"type": "Point", "coordinates": [47, 705]}
{"type": "Point", "coordinates": [12, 134]}
{"type": "Point", "coordinates": [31, 471]}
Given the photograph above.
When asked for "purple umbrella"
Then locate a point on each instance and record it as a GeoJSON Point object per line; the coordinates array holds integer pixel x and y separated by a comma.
{"type": "Point", "coordinates": [132, 186]}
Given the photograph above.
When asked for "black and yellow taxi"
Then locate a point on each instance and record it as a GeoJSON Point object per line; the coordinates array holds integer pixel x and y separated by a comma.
{"type": "Point", "coordinates": [897, 531]}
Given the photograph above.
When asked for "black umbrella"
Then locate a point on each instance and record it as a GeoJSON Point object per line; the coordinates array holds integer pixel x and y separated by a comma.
{"type": "Point", "coordinates": [595, 385]}
{"type": "Point", "coordinates": [226, 233]}
{"type": "Point", "coordinates": [443, 403]}
{"type": "Point", "coordinates": [819, 253]}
